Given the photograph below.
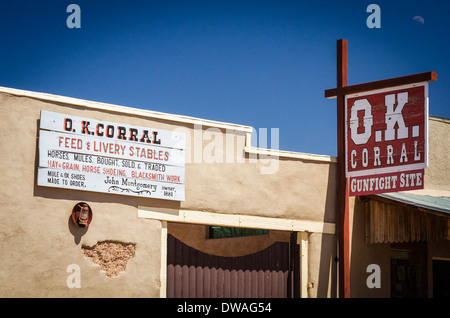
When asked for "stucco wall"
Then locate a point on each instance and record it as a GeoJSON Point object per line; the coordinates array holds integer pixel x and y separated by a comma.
{"type": "Point", "coordinates": [39, 241]}
{"type": "Point", "coordinates": [436, 175]}
{"type": "Point", "coordinates": [299, 190]}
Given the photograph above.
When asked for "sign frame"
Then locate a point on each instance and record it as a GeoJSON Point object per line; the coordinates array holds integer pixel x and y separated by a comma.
{"type": "Point", "coordinates": [396, 170]}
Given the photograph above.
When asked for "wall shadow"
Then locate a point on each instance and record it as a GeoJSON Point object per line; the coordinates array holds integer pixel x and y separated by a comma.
{"type": "Point", "coordinates": [76, 231]}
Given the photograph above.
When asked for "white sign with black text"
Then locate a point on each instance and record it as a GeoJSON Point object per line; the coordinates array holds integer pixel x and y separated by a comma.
{"type": "Point", "coordinates": [92, 155]}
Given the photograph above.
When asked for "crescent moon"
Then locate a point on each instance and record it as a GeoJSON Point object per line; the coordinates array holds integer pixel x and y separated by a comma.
{"type": "Point", "coordinates": [419, 19]}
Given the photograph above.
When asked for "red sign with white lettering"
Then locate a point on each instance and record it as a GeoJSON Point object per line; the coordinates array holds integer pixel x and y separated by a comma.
{"type": "Point", "coordinates": [386, 139]}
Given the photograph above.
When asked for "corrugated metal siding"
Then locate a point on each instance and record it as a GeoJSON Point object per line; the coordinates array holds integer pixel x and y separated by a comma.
{"type": "Point", "coordinates": [194, 274]}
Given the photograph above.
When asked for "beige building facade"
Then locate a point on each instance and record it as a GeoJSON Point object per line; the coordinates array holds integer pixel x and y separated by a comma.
{"type": "Point", "coordinates": [226, 182]}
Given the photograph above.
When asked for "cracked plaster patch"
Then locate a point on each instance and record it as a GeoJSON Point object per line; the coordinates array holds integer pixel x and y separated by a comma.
{"type": "Point", "coordinates": [111, 256]}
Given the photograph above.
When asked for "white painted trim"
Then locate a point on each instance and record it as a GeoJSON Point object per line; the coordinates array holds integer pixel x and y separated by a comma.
{"type": "Point", "coordinates": [289, 154]}
{"type": "Point", "coordinates": [303, 240]}
{"type": "Point", "coordinates": [163, 270]}
{"type": "Point", "coordinates": [235, 220]}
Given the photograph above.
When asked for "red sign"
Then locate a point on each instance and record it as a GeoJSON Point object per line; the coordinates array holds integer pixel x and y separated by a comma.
{"type": "Point", "coordinates": [386, 139]}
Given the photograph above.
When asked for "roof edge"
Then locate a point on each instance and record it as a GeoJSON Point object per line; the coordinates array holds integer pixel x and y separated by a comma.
{"type": "Point", "coordinates": [417, 201]}
{"type": "Point", "coordinates": [170, 118]}
{"type": "Point", "coordinates": [441, 119]}
{"type": "Point", "coordinates": [125, 109]}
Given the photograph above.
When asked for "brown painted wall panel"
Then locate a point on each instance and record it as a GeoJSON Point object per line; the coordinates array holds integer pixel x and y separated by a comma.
{"type": "Point", "coordinates": [191, 273]}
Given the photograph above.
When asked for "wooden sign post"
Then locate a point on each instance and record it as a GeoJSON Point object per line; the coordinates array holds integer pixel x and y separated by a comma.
{"type": "Point", "coordinates": [342, 200]}
{"type": "Point", "coordinates": [389, 118]}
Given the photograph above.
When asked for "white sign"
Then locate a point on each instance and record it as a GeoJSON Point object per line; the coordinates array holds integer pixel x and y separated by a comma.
{"type": "Point", "coordinates": [91, 155]}
{"type": "Point", "coordinates": [76, 162]}
{"type": "Point", "coordinates": [117, 149]}
{"type": "Point", "coordinates": [109, 184]}
{"type": "Point", "coordinates": [111, 131]}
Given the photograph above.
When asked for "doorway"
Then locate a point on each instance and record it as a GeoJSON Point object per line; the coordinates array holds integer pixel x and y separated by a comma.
{"type": "Point", "coordinates": [269, 273]}
{"type": "Point", "coordinates": [409, 270]}
{"type": "Point", "coordinates": [441, 278]}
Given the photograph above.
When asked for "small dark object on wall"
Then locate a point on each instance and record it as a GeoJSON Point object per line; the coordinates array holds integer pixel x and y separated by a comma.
{"type": "Point", "coordinates": [82, 214]}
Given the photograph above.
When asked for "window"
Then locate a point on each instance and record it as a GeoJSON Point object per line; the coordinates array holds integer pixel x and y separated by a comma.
{"type": "Point", "coordinates": [216, 232]}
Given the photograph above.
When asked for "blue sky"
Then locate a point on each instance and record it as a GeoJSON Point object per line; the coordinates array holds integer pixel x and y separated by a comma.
{"type": "Point", "coordinates": [260, 63]}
